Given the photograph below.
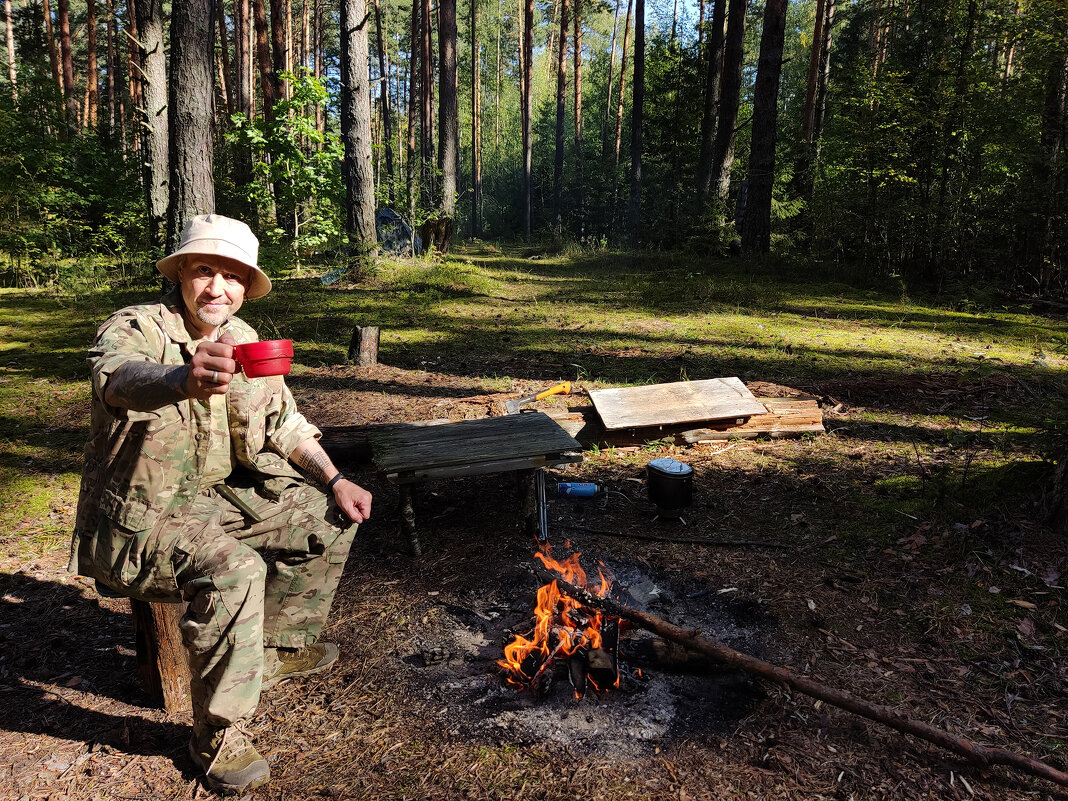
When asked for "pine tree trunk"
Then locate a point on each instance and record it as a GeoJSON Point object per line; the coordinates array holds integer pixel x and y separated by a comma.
{"type": "Point", "coordinates": [527, 103]}
{"type": "Point", "coordinates": [824, 75]}
{"type": "Point", "coordinates": [269, 85]}
{"type": "Point", "coordinates": [224, 54]}
{"type": "Point", "coordinates": [305, 35]}
{"type": "Point", "coordinates": [242, 60]}
{"type": "Point", "coordinates": [561, 94]}
{"type": "Point", "coordinates": [756, 221]}
{"type": "Point", "coordinates": [192, 186]}
{"type": "Point", "coordinates": [580, 159]}
{"type": "Point", "coordinates": [67, 65]}
{"type": "Point", "coordinates": [426, 116]}
{"type": "Point", "coordinates": [608, 94]}
{"type": "Point", "coordinates": [413, 107]}
{"type": "Point", "coordinates": [448, 98]}
{"type": "Point", "coordinates": [135, 84]}
{"type": "Point", "coordinates": [637, 115]}
{"type": "Point", "coordinates": [12, 74]}
{"type": "Point", "coordinates": [53, 55]}
{"type": "Point", "coordinates": [387, 122]}
{"type": "Point", "coordinates": [619, 114]}
{"type": "Point", "coordinates": [476, 125]}
{"type": "Point", "coordinates": [320, 117]}
{"type": "Point", "coordinates": [700, 31]}
{"type": "Point", "coordinates": [730, 90]}
{"type": "Point", "coordinates": [356, 133]}
{"type": "Point", "coordinates": [713, 65]}
{"type": "Point", "coordinates": [112, 66]}
{"type": "Point", "coordinates": [153, 116]}
{"type": "Point", "coordinates": [497, 90]}
{"type": "Point", "coordinates": [92, 67]}
{"type": "Point", "coordinates": [279, 53]}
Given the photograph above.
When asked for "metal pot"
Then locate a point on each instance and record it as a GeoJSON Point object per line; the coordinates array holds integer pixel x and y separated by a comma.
{"type": "Point", "coordinates": [670, 483]}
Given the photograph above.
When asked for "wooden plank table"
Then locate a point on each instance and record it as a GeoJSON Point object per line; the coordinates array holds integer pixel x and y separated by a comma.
{"type": "Point", "coordinates": [527, 441]}
{"type": "Point", "coordinates": [675, 403]}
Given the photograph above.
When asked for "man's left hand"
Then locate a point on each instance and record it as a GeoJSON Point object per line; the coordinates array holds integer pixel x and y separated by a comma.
{"type": "Point", "coordinates": [353, 500]}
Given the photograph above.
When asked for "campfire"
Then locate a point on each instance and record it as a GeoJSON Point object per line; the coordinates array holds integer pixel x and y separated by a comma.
{"type": "Point", "coordinates": [566, 632]}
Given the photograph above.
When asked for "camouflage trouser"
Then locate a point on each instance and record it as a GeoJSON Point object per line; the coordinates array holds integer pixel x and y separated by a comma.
{"type": "Point", "coordinates": [251, 584]}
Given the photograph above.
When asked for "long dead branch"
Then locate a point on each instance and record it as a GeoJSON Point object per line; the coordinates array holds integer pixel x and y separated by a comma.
{"type": "Point", "coordinates": [694, 641]}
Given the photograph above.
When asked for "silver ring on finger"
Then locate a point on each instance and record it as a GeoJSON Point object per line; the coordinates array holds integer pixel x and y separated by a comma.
{"type": "Point", "coordinates": [215, 376]}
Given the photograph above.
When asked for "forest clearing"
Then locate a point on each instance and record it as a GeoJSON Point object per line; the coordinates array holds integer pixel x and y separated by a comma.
{"type": "Point", "coordinates": [902, 556]}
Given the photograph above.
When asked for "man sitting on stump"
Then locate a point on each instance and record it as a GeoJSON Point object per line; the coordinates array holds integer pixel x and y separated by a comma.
{"type": "Point", "coordinates": [190, 485]}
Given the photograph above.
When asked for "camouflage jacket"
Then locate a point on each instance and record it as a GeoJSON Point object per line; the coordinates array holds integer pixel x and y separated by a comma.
{"type": "Point", "coordinates": [141, 467]}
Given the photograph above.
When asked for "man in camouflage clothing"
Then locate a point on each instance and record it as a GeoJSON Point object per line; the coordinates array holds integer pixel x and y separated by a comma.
{"type": "Point", "coordinates": [190, 484]}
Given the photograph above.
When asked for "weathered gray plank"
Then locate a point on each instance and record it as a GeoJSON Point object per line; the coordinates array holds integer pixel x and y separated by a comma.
{"type": "Point", "coordinates": [485, 441]}
{"type": "Point", "coordinates": [679, 402]}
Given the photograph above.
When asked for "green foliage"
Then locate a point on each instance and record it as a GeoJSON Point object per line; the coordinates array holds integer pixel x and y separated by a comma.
{"type": "Point", "coordinates": [296, 170]}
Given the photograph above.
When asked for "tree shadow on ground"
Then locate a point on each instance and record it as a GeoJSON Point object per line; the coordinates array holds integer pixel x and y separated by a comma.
{"type": "Point", "coordinates": [65, 659]}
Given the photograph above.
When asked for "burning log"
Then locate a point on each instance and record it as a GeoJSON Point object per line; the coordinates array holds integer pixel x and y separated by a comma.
{"type": "Point", "coordinates": [694, 641]}
{"type": "Point", "coordinates": [564, 629]}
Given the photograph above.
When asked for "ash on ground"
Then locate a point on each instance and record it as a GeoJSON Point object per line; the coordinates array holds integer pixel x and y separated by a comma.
{"type": "Point", "coordinates": [665, 694]}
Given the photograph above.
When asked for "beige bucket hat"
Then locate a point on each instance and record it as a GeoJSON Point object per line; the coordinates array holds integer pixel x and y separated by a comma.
{"type": "Point", "coordinates": [224, 238]}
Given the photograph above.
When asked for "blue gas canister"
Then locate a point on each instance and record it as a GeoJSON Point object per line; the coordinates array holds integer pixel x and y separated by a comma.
{"type": "Point", "coordinates": [579, 489]}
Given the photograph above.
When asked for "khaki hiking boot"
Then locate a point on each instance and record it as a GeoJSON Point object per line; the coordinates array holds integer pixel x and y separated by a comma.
{"type": "Point", "coordinates": [280, 664]}
{"type": "Point", "coordinates": [229, 760]}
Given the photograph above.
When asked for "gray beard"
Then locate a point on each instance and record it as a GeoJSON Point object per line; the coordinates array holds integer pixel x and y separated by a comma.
{"type": "Point", "coordinates": [212, 319]}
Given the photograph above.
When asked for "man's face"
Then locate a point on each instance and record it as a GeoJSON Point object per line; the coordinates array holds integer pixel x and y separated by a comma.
{"type": "Point", "coordinates": [213, 291]}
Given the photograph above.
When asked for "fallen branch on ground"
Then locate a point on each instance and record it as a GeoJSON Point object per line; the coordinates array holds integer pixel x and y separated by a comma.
{"type": "Point", "coordinates": [682, 540]}
{"type": "Point", "coordinates": [694, 641]}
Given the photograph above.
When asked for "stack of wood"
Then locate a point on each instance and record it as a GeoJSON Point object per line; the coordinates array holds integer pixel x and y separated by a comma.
{"type": "Point", "coordinates": [691, 412]}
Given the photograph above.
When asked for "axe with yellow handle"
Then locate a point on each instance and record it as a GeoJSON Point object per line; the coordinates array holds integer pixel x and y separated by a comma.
{"type": "Point", "coordinates": [512, 406]}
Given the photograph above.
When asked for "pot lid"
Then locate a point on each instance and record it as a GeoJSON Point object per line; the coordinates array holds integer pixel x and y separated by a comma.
{"type": "Point", "coordinates": [671, 466]}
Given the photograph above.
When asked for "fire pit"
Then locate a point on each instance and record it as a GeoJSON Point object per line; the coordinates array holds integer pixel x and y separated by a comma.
{"type": "Point", "coordinates": [568, 677]}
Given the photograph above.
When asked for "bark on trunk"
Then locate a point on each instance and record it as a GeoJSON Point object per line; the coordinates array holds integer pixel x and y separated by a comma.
{"type": "Point", "coordinates": [53, 55]}
{"type": "Point", "coordinates": [561, 94]}
{"type": "Point", "coordinates": [356, 133]}
{"type": "Point", "coordinates": [619, 114]}
{"type": "Point", "coordinates": [824, 75]}
{"type": "Point", "coordinates": [723, 147]}
{"type": "Point", "coordinates": [161, 656]}
{"type": "Point", "coordinates": [242, 59]}
{"type": "Point", "coordinates": [756, 222]}
{"type": "Point", "coordinates": [387, 121]}
{"type": "Point", "coordinates": [135, 77]}
{"type": "Point", "coordinates": [413, 108]}
{"type": "Point", "coordinates": [279, 53]}
{"type": "Point", "coordinates": [12, 73]}
{"type": "Point", "coordinates": [192, 186]}
{"type": "Point", "coordinates": [580, 159]}
{"type": "Point", "coordinates": [224, 54]}
{"type": "Point", "coordinates": [92, 68]}
{"type": "Point", "coordinates": [153, 116]}
{"type": "Point", "coordinates": [269, 85]}
{"type": "Point", "coordinates": [476, 125]}
{"type": "Point", "coordinates": [637, 115]}
{"type": "Point", "coordinates": [526, 57]}
{"type": "Point", "coordinates": [713, 65]}
{"type": "Point", "coordinates": [611, 70]}
{"type": "Point", "coordinates": [449, 130]}
{"type": "Point", "coordinates": [426, 114]}
{"type": "Point", "coordinates": [67, 64]}
{"type": "Point", "coordinates": [112, 65]}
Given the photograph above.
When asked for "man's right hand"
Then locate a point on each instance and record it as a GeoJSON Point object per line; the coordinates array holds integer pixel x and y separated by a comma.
{"type": "Point", "coordinates": [212, 368]}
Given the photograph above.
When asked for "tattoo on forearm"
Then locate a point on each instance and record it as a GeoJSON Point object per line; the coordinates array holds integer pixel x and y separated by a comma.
{"type": "Point", "coordinates": [315, 463]}
{"type": "Point", "coordinates": [145, 387]}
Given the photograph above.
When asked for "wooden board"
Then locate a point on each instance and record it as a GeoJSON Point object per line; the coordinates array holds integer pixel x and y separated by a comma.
{"type": "Point", "coordinates": [671, 404]}
{"type": "Point", "coordinates": [786, 417]}
{"type": "Point", "coordinates": [473, 447]}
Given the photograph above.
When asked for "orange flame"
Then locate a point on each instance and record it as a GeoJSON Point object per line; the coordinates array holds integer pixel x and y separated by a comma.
{"type": "Point", "coordinates": [562, 624]}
